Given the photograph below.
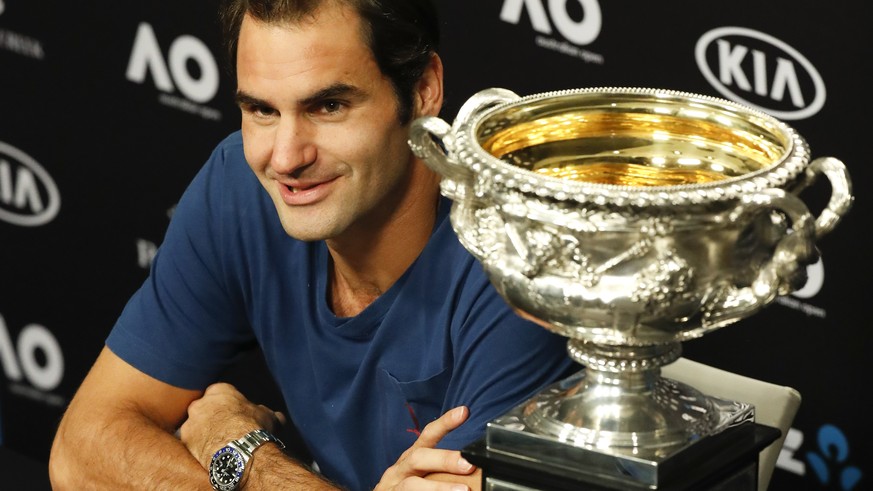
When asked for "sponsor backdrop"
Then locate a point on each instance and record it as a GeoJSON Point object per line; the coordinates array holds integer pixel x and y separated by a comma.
{"type": "Point", "coordinates": [107, 109]}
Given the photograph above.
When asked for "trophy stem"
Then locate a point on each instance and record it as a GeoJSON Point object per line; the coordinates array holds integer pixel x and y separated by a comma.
{"type": "Point", "coordinates": [623, 359]}
{"type": "Point", "coordinates": [621, 402]}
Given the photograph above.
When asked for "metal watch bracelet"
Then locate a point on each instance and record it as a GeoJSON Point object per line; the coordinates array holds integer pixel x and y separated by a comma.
{"type": "Point", "coordinates": [255, 439]}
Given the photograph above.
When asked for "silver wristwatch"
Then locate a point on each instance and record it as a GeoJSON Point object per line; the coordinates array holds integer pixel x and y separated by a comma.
{"type": "Point", "coordinates": [228, 465]}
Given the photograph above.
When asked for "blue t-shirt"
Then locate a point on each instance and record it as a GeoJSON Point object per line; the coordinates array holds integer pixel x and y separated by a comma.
{"type": "Point", "coordinates": [360, 388]}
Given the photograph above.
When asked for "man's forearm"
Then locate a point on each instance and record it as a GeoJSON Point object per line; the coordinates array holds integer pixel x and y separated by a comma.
{"type": "Point", "coordinates": [122, 452]}
{"type": "Point", "coordinates": [271, 469]}
{"type": "Point", "coordinates": [131, 452]}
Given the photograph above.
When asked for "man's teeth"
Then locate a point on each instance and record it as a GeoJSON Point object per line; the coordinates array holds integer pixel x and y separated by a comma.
{"type": "Point", "coordinates": [298, 189]}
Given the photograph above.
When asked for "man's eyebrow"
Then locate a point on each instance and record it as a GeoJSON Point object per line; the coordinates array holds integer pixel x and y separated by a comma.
{"type": "Point", "coordinates": [244, 99]}
{"type": "Point", "coordinates": [334, 91]}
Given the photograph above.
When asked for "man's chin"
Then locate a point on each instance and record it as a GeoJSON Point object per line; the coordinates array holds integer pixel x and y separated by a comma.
{"type": "Point", "coordinates": [309, 224]}
{"type": "Point", "coordinates": [307, 235]}
{"type": "Point", "coordinates": [314, 233]}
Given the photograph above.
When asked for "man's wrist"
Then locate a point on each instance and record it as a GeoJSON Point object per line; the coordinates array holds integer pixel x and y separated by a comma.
{"type": "Point", "coordinates": [230, 466]}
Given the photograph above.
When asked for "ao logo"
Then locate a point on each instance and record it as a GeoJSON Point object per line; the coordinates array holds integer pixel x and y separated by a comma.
{"type": "Point", "coordinates": [580, 32]}
{"type": "Point", "coordinates": [776, 70]}
{"type": "Point", "coordinates": [28, 195]}
{"type": "Point", "coordinates": [20, 360]}
{"type": "Point", "coordinates": [147, 58]}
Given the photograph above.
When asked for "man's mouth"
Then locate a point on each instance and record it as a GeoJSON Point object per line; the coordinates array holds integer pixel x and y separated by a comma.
{"type": "Point", "coordinates": [300, 187]}
{"type": "Point", "coordinates": [304, 193]}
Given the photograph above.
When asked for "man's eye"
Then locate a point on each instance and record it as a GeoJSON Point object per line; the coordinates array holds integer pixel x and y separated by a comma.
{"type": "Point", "coordinates": [331, 107]}
{"type": "Point", "coordinates": [259, 111]}
{"type": "Point", "coordinates": [263, 111]}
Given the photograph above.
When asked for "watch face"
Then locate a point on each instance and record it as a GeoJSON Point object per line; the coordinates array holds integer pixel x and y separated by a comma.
{"type": "Point", "coordinates": [226, 469]}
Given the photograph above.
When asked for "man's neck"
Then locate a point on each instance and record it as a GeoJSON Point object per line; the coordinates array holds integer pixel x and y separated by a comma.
{"type": "Point", "coordinates": [369, 259]}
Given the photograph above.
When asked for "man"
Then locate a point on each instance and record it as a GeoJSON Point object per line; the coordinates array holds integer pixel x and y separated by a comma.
{"type": "Point", "coordinates": [317, 234]}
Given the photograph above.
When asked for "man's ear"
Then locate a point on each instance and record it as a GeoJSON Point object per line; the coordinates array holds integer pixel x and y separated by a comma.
{"type": "Point", "coordinates": [429, 90]}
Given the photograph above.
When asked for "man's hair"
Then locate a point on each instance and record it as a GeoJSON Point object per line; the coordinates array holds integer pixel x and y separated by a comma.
{"type": "Point", "coordinates": [402, 34]}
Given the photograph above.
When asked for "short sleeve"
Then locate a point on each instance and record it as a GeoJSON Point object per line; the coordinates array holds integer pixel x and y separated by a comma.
{"type": "Point", "coordinates": [187, 321]}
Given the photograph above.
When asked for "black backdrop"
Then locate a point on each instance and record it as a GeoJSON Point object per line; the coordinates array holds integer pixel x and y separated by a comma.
{"type": "Point", "coordinates": [108, 109]}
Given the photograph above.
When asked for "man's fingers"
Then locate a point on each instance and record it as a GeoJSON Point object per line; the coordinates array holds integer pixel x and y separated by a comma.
{"type": "Point", "coordinates": [427, 460]}
{"type": "Point", "coordinates": [220, 388]}
{"type": "Point", "coordinates": [440, 427]}
{"type": "Point", "coordinates": [267, 418]}
{"type": "Point", "coordinates": [421, 484]}
{"type": "Point", "coordinates": [422, 459]}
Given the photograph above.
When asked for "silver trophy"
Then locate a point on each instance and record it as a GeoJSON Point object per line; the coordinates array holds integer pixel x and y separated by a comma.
{"type": "Point", "coordinates": [628, 220]}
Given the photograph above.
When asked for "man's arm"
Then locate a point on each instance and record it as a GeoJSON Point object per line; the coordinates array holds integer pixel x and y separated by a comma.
{"type": "Point", "coordinates": [117, 433]}
{"type": "Point", "coordinates": [224, 414]}
{"type": "Point", "coordinates": [223, 409]}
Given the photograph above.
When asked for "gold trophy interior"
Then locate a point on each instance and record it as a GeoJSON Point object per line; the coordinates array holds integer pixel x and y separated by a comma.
{"type": "Point", "coordinates": [609, 145]}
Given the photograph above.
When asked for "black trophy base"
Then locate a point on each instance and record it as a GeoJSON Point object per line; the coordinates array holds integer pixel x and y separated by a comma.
{"type": "Point", "coordinates": [727, 461]}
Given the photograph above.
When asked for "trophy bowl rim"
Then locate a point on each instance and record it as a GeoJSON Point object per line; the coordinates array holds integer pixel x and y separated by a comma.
{"type": "Point", "coordinates": [784, 169]}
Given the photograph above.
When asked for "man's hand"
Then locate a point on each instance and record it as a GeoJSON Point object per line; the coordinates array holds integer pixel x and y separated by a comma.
{"type": "Point", "coordinates": [422, 459]}
{"type": "Point", "coordinates": [221, 415]}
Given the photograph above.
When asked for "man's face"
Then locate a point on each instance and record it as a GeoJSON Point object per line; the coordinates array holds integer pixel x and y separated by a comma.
{"type": "Point", "coordinates": [319, 123]}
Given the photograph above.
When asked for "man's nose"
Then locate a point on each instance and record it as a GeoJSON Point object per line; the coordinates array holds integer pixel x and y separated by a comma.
{"type": "Point", "coordinates": [294, 147]}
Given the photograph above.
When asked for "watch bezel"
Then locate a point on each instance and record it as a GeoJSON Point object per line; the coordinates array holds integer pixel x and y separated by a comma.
{"type": "Point", "coordinates": [239, 460]}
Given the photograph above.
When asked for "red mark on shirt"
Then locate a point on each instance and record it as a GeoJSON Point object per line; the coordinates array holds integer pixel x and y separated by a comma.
{"type": "Point", "coordinates": [417, 429]}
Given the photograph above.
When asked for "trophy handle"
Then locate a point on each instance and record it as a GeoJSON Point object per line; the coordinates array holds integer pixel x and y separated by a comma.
{"type": "Point", "coordinates": [841, 192]}
{"type": "Point", "coordinates": [785, 269]}
{"type": "Point", "coordinates": [432, 139]}
{"type": "Point", "coordinates": [481, 101]}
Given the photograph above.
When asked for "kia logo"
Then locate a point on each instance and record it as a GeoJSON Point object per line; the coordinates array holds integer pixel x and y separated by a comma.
{"type": "Point", "coordinates": [28, 195]}
{"type": "Point", "coordinates": [758, 70]}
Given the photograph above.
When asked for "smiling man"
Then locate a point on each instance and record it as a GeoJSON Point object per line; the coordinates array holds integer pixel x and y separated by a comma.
{"type": "Point", "coordinates": [315, 233]}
